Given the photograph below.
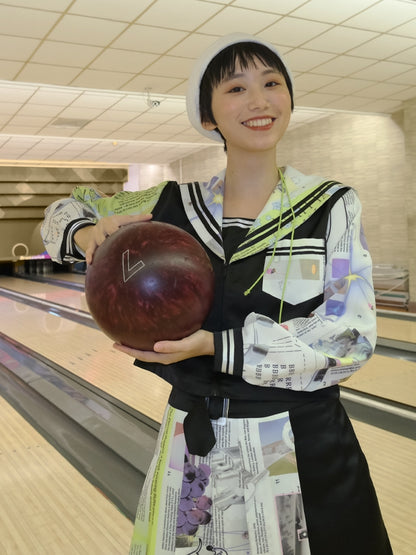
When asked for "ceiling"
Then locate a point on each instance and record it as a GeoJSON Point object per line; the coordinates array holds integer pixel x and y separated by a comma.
{"type": "Point", "coordinates": [79, 78]}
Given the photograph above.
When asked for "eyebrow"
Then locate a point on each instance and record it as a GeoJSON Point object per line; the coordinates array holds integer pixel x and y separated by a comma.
{"type": "Point", "coordinates": [232, 76]}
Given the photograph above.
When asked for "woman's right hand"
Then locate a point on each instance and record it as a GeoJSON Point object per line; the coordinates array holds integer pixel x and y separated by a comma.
{"type": "Point", "coordinates": [90, 237]}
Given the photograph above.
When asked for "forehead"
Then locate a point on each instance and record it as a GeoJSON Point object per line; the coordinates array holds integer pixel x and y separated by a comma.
{"type": "Point", "coordinates": [240, 60]}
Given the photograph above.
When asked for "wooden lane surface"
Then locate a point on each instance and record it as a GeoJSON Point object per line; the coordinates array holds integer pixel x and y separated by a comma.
{"type": "Point", "coordinates": [72, 277]}
{"type": "Point", "coordinates": [397, 329]}
{"type": "Point", "coordinates": [46, 291]}
{"type": "Point", "coordinates": [386, 377]}
{"type": "Point", "coordinates": [87, 353]}
{"type": "Point", "coordinates": [47, 507]}
{"type": "Point", "coordinates": [391, 459]}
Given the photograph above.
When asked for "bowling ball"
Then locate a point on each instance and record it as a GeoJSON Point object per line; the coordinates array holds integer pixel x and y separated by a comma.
{"type": "Point", "coordinates": [149, 281]}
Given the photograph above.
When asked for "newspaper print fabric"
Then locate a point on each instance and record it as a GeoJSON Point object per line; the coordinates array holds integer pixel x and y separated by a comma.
{"type": "Point", "coordinates": [339, 337]}
{"type": "Point", "coordinates": [243, 498]}
{"type": "Point", "coordinates": [87, 205]}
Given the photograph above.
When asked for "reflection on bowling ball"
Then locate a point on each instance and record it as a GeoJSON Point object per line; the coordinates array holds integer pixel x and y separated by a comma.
{"type": "Point", "coordinates": [149, 281]}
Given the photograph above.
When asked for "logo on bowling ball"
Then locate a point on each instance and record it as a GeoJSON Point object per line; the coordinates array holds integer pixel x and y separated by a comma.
{"type": "Point", "coordinates": [129, 271]}
{"type": "Point", "coordinates": [163, 288]}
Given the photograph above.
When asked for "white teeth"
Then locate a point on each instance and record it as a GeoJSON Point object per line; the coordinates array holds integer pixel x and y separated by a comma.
{"type": "Point", "coordinates": [258, 122]}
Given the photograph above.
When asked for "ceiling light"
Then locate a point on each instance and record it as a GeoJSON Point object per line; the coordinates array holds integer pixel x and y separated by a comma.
{"type": "Point", "coordinates": [70, 122]}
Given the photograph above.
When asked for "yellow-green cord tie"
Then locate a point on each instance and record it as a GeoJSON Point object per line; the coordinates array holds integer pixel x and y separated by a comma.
{"type": "Point", "coordinates": [284, 190]}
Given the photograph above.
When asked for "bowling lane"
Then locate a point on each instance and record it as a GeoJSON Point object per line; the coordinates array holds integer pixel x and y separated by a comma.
{"type": "Point", "coordinates": [391, 460]}
{"type": "Point", "coordinates": [386, 377]}
{"type": "Point", "coordinates": [47, 505]}
{"type": "Point", "coordinates": [72, 277]}
{"type": "Point", "coordinates": [46, 291]}
{"type": "Point", "coordinates": [86, 353]}
{"type": "Point", "coordinates": [397, 329]}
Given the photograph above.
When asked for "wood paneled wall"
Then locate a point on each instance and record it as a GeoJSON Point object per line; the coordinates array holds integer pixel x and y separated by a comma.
{"type": "Point", "coordinates": [26, 191]}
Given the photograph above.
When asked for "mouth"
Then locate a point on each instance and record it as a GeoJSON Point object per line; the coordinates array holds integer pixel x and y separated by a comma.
{"type": "Point", "coordinates": [259, 123]}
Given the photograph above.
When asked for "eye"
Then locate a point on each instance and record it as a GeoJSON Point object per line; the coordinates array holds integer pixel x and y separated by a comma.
{"type": "Point", "coordinates": [236, 89]}
{"type": "Point", "coordinates": [272, 83]}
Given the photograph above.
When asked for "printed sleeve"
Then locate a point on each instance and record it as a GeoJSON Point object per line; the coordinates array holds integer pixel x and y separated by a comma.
{"type": "Point", "coordinates": [84, 207]}
{"type": "Point", "coordinates": [332, 343]}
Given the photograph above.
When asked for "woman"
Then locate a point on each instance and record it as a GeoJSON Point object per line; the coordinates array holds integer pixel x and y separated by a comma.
{"type": "Point", "coordinates": [255, 454]}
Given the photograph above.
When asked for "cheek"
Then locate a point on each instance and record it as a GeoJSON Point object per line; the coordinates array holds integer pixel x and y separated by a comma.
{"type": "Point", "coordinates": [287, 102]}
{"type": "Point", "coordinates": [221, 109]}
{"type": "Point", "coordinates": [284, 108]}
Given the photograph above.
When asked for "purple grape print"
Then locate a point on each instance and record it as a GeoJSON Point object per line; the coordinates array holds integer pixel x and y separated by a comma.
{"type": "Point", "coordinates": [194, 505]}
{"type": "Point", "coordinates": [204, 503]}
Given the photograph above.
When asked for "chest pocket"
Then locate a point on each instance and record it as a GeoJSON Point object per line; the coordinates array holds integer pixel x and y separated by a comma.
{"type": "Point", "coordinates": [301, 268]}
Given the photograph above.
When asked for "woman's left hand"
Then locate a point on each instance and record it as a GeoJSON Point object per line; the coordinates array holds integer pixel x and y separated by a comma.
{"type": "Point", "coordinates": [167, 352]}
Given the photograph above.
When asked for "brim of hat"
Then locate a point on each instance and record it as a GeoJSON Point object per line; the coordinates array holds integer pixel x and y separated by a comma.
{"type": "Point", "coordinates": [192, 96]}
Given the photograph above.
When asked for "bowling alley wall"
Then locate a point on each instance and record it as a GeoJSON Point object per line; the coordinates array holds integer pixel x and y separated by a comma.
{"type": "Point", "coordinates": [26, 191]}
{"type": "Point", "coordinates": [375, 154]}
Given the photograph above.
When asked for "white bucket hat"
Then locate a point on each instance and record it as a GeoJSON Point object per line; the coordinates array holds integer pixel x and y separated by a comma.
{"type": "Point", "coordinates": [192, 96]}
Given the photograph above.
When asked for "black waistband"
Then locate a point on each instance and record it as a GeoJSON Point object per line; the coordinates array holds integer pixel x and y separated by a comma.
{"type": "Point", "coordinates": [198, 430]}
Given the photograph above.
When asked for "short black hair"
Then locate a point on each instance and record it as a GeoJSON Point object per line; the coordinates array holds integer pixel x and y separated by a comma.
{"type": "Point", "coordinates": [223, 65]}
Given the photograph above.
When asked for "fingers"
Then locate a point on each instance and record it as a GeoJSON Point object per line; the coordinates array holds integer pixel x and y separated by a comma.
{"type": "Point", "coordinates": [167, 352]}
{"type": "Point", "coordinates": [177, 346]}
{"type": "Point", "coordinates": [89, 253]}
{"type": "Point", "coordinates": [128, 219]}
{"type": "Point", "coordinates": [107, 226]}
{"type": "Point", "coordinates": [147, 356]}
{"type": "Point", "coordinates": [135, 353]}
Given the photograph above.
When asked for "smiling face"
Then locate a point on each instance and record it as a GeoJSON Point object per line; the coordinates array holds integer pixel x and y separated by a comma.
{"type": "Point", "coordinates": [251, 107]}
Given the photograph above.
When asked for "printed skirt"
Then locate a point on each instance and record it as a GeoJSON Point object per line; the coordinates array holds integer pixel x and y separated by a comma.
{"type": "Point", "coordinates": [289, 484]}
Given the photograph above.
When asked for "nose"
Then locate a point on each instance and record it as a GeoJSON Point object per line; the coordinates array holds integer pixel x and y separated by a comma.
{"type": "Point", "coordinates": [258, 99]}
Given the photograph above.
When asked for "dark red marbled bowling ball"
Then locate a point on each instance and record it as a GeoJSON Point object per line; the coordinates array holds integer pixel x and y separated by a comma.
{"type": "Point", "coordinates": [149, 281]}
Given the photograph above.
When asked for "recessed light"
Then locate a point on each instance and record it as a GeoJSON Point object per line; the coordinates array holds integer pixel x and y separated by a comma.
{"type": "Point", "coordinates": [70, 122]}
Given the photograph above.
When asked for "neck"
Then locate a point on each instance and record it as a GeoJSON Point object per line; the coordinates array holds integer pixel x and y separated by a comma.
{"type": "Point", "coordinates": [249, 181]}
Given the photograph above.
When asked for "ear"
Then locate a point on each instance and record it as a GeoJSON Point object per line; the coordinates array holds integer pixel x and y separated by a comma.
{"type": "Point", "coordinates": [208, 125]}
